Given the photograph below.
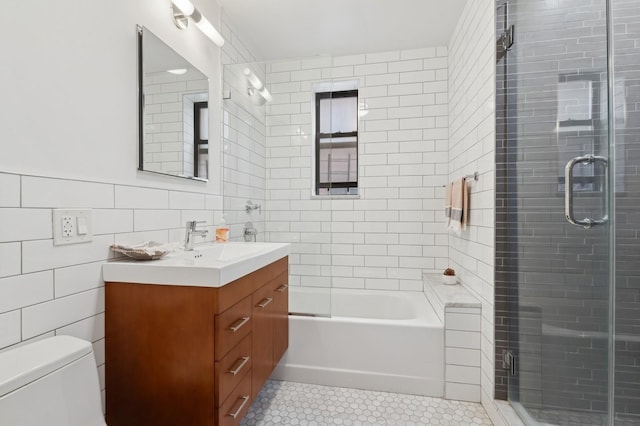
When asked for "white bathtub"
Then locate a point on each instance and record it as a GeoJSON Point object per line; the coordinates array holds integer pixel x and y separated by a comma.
{"type": "Point", "coordinates": [376, 340]}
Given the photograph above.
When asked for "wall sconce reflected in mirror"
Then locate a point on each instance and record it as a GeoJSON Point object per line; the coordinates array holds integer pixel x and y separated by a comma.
{"type": "Point", "coordinates": [363, 109]}
{"type": "Point", "coordinates": [182, 10]}
{"type": "Point", "coordinates": [177, 71]}
{"type": "Point", "coordinates": [255, 85]}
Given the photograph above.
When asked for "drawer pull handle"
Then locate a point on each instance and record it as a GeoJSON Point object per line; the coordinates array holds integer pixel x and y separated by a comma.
{"type": "Point", "coordinates": [282, 288]}
{"type": "Point", "coordinates": [238, 365]}
{"type": "Point", "coordinates": [238, 324]}
{"type": "Point", "coordinates": [236, 413]}
{"type": "Point", "coordinates": [263, 304]}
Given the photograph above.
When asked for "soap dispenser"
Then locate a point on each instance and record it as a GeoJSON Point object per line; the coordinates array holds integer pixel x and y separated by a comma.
{"type": "Point", "coordinates": [222, 231]}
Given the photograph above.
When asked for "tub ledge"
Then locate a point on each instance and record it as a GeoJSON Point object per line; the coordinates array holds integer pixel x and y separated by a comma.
{"type": "Point", "coordinates": [461, 315]}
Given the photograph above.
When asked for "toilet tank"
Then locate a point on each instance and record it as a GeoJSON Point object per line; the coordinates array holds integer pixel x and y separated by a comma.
{"type": "Point", "coordinates": [51, 382]}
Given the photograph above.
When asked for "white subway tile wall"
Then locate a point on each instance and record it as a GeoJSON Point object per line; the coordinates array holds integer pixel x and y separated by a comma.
{"type": "Point", "coordinates": [244, 129]}
{"type": "Point", "coordinates": [9, 190]}
{"type": "Point", "coordinates": [47, 289]}
{"type": "Point", "coordinates": [10, 259]}
{"type": "Point", "coordinates": [471, 148]}
{"type": "Point", "coordinates": [9, 328]}
{"type": "Point", "coordinates": [376, 241]}
{"type": "Point", "coordinates": [60, 193]}
{"type": "Point", "coordinates": [462, 353]}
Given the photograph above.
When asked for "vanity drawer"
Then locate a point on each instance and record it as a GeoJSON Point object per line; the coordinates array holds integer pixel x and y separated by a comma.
{"type": "Point", "coordinates": [232, 369]}
{"type": "Point", "coordinates": [234, 408]}
{"type": "Point", "coordinates": [232, 326]}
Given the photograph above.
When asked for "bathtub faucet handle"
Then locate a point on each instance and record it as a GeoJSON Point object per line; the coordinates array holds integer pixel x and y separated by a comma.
{"type": "Point", "coordinates": [250, 232]}
{"type": "Point", "coordinates": [251, 206]}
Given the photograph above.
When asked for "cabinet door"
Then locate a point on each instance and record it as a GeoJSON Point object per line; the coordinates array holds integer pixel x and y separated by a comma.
{"type": "Point", "coordinates": [280, 318]}
{"type": "Point", "coordinates": [262, 338]}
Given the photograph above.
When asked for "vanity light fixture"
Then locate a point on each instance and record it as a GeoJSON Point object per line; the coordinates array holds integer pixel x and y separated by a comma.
{"type": "Point", "coordinates": [256, 84]}
{"type": "Point", "coordinates": [182, 10]}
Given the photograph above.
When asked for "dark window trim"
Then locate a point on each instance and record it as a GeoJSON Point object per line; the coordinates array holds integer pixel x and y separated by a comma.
{"type": "Point", "coordinates": [197, 106]}
{"type": "Point", "coordinates": [319, 136]}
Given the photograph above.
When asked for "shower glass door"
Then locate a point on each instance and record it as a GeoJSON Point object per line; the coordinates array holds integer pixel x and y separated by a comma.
{"type": "Point", "coordinates": [625, 150]}
{"type": "Point", "coordinates": [568, 209]}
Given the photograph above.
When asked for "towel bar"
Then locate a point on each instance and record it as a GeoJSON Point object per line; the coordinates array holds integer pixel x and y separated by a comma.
{"type": "Point", "coordinates": [475, 177]}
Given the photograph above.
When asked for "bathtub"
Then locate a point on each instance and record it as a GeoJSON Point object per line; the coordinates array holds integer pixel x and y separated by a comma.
{"type": "Point", "coordinates": [376, 340]}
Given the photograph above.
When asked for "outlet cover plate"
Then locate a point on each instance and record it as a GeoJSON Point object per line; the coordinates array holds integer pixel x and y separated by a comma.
{"type": "Point", "coordinates": [65, 226]}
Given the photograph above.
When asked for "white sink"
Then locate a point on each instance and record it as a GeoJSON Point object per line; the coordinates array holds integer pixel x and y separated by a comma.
{"type": "Point", "coordinates": [208, 265]}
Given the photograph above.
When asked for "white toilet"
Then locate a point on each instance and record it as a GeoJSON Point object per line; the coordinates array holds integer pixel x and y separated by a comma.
{"type": "Point", "coordinates": [51, 382]}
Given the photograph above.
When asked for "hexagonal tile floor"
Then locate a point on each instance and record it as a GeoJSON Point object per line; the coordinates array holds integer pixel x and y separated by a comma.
{"type": "Point", "coordinates": [288, 403]}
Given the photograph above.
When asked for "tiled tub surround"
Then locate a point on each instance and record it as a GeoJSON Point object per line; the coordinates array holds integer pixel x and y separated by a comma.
{"type": "Point", "coordinates": [244, 140]}
{"type": "Point", "coordinates": [384, 239]}
{"type": "Point", "coordinates": [47, 290]}
{"type": "Point", "coordinates": [378, 340]}
{"type": "Point", "coordinates": [460, 312]}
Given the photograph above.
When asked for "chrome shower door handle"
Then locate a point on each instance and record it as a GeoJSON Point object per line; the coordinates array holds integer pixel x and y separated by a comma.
{"type": "Point", "coordinates": [568, 191]}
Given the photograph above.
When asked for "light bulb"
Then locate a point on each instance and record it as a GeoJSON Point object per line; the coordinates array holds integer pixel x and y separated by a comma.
{"type": "Point", "coordinates": [185, 6]}
{"type": "Point", "coordinates": [208, 29]}
{"type": "Point", "coordinates": [265, 94]}
{"type": "Point", "coordinates": [253, 79]}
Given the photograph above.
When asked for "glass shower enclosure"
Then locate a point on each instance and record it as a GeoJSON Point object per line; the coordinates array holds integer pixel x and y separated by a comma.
{"type": "Point", "coordinates": [568, 210]}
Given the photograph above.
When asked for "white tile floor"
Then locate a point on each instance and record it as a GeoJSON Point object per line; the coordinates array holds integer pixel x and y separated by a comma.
{"type": "Point", "coordinates": [288, 403]}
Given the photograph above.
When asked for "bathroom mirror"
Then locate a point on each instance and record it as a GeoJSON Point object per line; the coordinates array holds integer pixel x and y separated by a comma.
{"type": "Point", "coordinates": [173, 111]}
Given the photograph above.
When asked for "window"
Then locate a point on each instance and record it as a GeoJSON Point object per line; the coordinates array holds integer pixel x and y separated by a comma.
{"type": "Point", "coordinates": [201, 139]}
{"type": "Point", "coordinates": [336, 143]}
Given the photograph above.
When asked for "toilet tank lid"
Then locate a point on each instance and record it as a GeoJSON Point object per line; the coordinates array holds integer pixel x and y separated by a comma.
{"type": "Point", "coordinates": [25, 364]}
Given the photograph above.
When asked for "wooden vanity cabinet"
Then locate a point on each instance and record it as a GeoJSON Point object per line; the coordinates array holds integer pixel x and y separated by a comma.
{"type": "Point", "coordinates": [280, 318]}
{"type": "Point", "coordinates": [182, 355]}
{"type": "Point", "coordinates": [262, 338]}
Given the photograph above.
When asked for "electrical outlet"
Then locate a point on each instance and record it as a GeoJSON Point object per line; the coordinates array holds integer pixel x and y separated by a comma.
{"type": "Point", "coordinates": [71, 226]}
{"type": "Point", "coordinates": [67, 226]}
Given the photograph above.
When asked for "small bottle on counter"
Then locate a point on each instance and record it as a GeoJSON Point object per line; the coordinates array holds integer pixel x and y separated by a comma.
{"type": "Point", "coordinates": [222, 231]}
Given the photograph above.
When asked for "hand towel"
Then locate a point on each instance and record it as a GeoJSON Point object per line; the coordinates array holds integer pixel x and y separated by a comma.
{"type": "Point", "coordinates": [465, 204]}
{"type": "Point", "coordinates": [457, 206]}
{"type": "Point", "coordinates": [447, 203]}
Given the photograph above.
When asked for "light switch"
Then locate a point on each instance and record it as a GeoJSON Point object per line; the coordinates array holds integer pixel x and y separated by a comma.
{"type": "Point", "coordinates": [82, 225]}
{"type": "Point", "coordinates": [72, 226]}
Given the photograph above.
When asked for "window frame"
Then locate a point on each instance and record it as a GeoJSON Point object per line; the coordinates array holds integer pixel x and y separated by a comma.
{"type": "Point", "coordinates": [197, 141]}
{"type": "Point", "coordinates": [350, 93]}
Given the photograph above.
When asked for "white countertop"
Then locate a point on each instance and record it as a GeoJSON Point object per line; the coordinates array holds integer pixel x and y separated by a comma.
{"type": "Point", "coordinates": [208, 265]}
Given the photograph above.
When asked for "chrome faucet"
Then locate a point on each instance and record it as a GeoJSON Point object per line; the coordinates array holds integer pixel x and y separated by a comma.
{"type": "Point", "coordinates": [250, 233]}
{"type": "Point", "coordinates": [192, 231]}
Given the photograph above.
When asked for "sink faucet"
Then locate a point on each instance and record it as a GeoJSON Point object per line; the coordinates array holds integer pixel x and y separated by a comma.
{"type": "Point", "coordinates": [192, 231]}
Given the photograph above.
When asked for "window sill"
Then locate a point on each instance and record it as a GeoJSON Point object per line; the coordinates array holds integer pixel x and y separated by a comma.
{"type": "Point", "coordinates": [335, 197]}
